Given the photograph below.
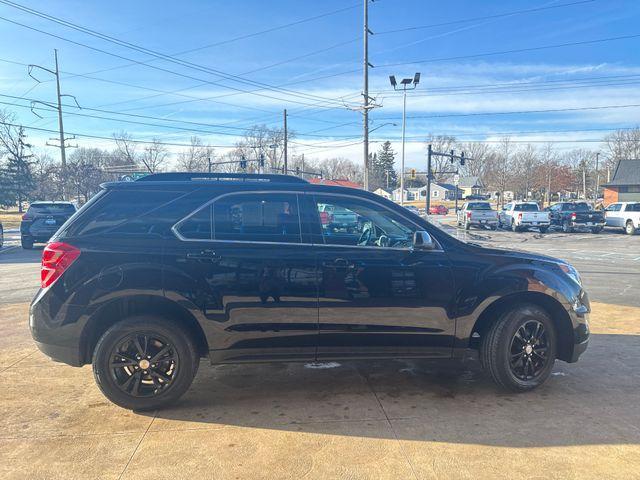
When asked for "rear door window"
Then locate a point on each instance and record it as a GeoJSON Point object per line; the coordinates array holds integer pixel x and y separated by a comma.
{"type": "Point", "coordinates": [257, 217]}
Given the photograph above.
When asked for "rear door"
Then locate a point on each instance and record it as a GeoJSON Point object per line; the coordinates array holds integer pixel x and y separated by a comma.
{"type": "Point", "coordinates": [613, 215]}
{"type": "Point", "coordinates": [377, 296]}
{"type": "Point", "coordinates": [241, 262]}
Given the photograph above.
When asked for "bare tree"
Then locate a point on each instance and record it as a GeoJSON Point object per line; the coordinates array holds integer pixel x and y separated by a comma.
{"type": "Point", "coordinates": [442, 144]}
{"type": "Point", "coordinates": [196, 157]}
{"type": "Point", "coordinates": [16, 177]}
{"type": "Point", "coordinates": [340, 168]}
{"type": "Point", "coordinates": [126, 149]}
{"type": "Point", "coordinates": [482, 154]}
{"type": "Point", "coordinates": [622, 144]}
{"type": "Point", "coordinates": [499, 173]}
{"type": "Point", "coordinates": [525, 163]}
{"type": "Point", "coordinates": [154, 156]}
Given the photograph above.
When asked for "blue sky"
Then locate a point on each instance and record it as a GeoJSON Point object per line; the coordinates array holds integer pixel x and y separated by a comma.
{"type": "Point", "coordinates": [313, 69]}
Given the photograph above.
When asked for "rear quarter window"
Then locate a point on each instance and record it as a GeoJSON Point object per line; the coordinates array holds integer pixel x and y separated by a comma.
{"type": "Point", "coordinates": [126, 212]}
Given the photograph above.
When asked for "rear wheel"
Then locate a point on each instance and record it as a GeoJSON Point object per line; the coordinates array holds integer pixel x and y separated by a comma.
{"type": "Point", "coordinates": [596, 230]}
{"type": "Point", "coordinates": [543, 229]}
{"type": "Point", "coordinates": [514, 227]}
{"type": "Point", "coordinates": [467, 225]}
{"type": "Point", "coordinates": [629, 228]}
{"type": "Point", "coordinates": [519, 350]}
{"type": "Point", "coordinates": [144, 363]}
{"type": "Point", "coordinates": [26, 242]}
{"type": "Point", "coordinates": [566, 227]}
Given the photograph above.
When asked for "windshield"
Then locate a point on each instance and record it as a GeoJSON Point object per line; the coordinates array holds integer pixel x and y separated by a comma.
{"type": "Point", "coordinates": [526, 207]}
{"type": "Point", "coordinates": [479, 206]}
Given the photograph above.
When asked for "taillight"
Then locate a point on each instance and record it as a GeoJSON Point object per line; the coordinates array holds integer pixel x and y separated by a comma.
{"type": "Point", "coordinates": [573, 216]}
{"type": "Point", "coordinates": [56, 258]}
{"type": "Point", "coordinates": [520, 216]}
{"type": "Point", "coordinates": [26, 217]}
{"type": "Point", "coordinates": [468, 214]}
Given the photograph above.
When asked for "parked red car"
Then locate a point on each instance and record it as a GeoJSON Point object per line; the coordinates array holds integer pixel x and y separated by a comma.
{"type": "Point", "coordinates": [438, 210]}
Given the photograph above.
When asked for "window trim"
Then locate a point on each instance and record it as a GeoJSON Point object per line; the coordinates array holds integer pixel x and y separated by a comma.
{"type": "Point", "coordinates": [209, 203]}
{"type": "Point", "coordinates": [174, 228]}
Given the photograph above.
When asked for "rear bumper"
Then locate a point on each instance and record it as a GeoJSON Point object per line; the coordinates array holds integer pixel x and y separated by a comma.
{"type": "Point", "coordinates": [68, 355]}
{"type": "Point", "coordinates": [587, 224]}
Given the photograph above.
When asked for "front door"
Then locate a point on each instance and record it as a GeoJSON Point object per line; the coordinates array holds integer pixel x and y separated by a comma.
{"type": "Point", "coordinates": [377, 296]}
{"type": "Point", "coordinates": [240, 260]}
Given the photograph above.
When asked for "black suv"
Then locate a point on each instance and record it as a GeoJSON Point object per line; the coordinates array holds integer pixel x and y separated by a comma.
{"type": "Point", "coordinates": [42, 220]}
{"type": "Point", "coordinates": [150, 276]}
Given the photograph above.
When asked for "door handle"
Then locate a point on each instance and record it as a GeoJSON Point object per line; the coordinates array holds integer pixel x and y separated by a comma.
{"type": "Point", "coordinates": [203, 255]}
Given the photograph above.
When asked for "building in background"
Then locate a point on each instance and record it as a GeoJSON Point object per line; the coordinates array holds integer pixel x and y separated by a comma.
{"type": "Point", "coordinates": [469, 186]}
{"type": "Point", "coordinates": [625, 184]}
{"type": "Point", "coordinates": [383, 193]}
{"type": "Point", "coordinates": [439, 191]}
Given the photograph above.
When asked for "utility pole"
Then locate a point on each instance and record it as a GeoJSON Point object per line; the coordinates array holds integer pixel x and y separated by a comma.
{"type": "Point", "coordinates": [58, 106]}
{"type": "Point", "coordinates": [428, 199]}
{"type": "Point", "coordinates": [365, 93]}
{"type": "Point", "coordinates": [209, 162]}
{"type": "Point", "coordinates": [286, 162]}
{"type": "Point", "coordinates": [584, 181]}
{"type": "Point", "coordinates": [595, 195]}
{"type": "Point", "coordinates": [63, 155]}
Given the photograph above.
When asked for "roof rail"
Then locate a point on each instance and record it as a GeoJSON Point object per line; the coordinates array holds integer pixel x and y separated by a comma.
{"type": "Point", "coordinates": [196, 176]}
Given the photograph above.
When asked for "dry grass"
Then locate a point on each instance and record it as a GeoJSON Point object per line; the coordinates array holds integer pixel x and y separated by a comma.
{"type": "Point", "coordinates": [10, 219]}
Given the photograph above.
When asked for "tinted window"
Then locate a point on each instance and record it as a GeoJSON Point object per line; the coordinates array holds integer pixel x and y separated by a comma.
{"type": "Point", "coordinates": [614, 208]}
{"type": "Point", "coordinates": [257, 217]}
{"type": "Point", "coordinates": [478, 206]}
{"type": "Point", "coordinates": [128, 212]}
{"type": "Point", "coordinates": [198, 226]}
{"type": "Point", "coordinates": [526, 207]}
{"type": "Point", "coordinates": [633, 207]}
{"type": "Point", "coordinates": [361, 223]}
{"type": "Point", "coordinates": [576, 207]}
{"type": "Point", "coordinates": [52, 208]}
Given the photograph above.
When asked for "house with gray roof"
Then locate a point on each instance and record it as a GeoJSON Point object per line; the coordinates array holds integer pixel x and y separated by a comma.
{"type": "Point", "coordinates": [625, 184]}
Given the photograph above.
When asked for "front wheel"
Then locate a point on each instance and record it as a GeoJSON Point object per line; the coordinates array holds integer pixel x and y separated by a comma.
{"type": "Point", "coordinates": [144, 363]}
{"type": "Point", "coordinates": [519, 349]}
{"type": "Point", "coordinates": [629, 228]}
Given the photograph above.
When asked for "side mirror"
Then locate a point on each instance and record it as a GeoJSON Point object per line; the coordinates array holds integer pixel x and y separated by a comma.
{"type": "Point", "coordinates": [423, 241]}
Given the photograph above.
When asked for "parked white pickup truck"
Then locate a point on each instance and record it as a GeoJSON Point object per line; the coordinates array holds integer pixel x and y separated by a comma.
{"type": "Point", "coordinates": [478, 214]}
{"type": "Point", "coordinates": [521, 216]}
{"type": "Point", "coordinates": [625, 215]}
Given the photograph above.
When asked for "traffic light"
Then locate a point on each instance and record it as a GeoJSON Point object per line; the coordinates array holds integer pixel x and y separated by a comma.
{"type": "Point", "coordinates": [462, 159]}
{"type": "Point", "coordinates": [261, 161]}
{"type": "Point", "coordinates": [243, 163]}
{"type": "Point", "coordinates": [413, 174]}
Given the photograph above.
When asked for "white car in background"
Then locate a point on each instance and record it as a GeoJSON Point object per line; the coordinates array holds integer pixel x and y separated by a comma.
{"type": "Point", "coordinates": [519, 216]}
{"type": "Point", "coordinates": [625, 215]}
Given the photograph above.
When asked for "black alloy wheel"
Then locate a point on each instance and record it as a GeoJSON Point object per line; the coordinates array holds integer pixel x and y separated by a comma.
{"type": "Point", "coordinates": [144, 364]}
{"type": "Point", "coordinates": [528, 352]}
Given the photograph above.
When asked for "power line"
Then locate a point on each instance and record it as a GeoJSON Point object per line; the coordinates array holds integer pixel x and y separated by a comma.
{"type": "Point", "coordinates": [485, 17]}
{"type": "Point", "coordinates": [517, 50]}
{"type": "Point", "coordinates": [158, 55]}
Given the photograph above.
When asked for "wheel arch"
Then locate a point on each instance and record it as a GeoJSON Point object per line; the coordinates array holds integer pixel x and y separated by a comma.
{"type": "Point", "coordinates": [124, 307]}
{"type": "Point", "coordinates": [551, 305]}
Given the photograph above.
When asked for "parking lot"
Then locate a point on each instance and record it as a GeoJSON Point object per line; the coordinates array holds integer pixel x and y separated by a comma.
{"type": "Point", "coordinates": [403, 419]}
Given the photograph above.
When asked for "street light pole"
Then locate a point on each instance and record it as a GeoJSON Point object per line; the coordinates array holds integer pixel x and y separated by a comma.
{"type": "Point", "coordinates": [404, 82]}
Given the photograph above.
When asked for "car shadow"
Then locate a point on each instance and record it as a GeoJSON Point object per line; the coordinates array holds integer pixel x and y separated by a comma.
{"type": "Point", "coordinates": [594, 401]}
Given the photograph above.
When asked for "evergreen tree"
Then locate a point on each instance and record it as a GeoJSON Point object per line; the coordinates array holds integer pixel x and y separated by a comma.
{"type": "Point", "coordinates": [16, 176]}
{"type": "Point", "coordinates": [382, 168]}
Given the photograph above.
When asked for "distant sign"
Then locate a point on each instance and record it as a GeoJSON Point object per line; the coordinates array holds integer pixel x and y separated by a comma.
{"type": "Point", "coordinates": [132, 177]}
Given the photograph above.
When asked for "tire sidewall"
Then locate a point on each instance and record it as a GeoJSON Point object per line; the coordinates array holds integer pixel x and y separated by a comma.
{"type": "Point", "coordinates": [187, 361]}
{"type": "Point", "coordinates": [514, 320]}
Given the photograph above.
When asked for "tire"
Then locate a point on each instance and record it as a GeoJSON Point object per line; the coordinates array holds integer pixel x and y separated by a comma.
{"type": "Point", "coordinates": [514, 227]}
{"type": "Point", "coordinates": [137, 390]}
{"type": "Point", "coordinates": [629, 228]}
{"type": "Point", "coordinates": [467, 225]}
{"type": "Point", "coordinates": [596, 230]}
{"type": "Point", "coordinates": [26, 242]}
{"type": "Point", "coordinates": [543, 229]}
{"type": "Point", "coordinates": [566, 228]}
{"type": "Point", "coordinates": [493, 227]}
{"type": "Point", "coordinates": [1, 236]}
{"type": "Point", "coordinates": [499, 343]}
